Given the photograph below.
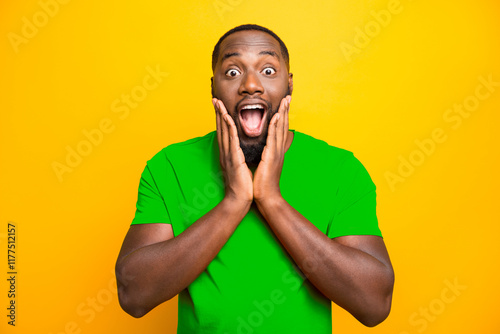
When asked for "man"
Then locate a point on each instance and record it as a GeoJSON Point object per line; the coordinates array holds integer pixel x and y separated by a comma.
{"type": "Point", "coordinates": [257, 227]}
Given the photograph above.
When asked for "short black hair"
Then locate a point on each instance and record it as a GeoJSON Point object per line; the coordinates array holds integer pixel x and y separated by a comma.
{"type": "Point", "coordinates": [284, 50]}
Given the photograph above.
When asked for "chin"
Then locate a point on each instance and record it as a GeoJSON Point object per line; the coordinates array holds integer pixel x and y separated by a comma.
{"type": "Point", "coordinates": [253, 147]}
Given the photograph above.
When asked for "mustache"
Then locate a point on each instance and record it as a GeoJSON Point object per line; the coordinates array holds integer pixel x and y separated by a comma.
{"type": "Point", "coordinates": [267, 103]}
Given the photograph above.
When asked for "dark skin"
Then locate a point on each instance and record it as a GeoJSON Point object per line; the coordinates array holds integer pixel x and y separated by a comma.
{"type": "Point", "coordinates": [352, 271]}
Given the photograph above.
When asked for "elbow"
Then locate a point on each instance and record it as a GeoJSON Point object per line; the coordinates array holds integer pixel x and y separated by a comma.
{"type": "Point", "coordinates": [376, 316]}
{"type": "Point", "coordinates": [127, 304]}
{"type": "Point", "coordinates": [134, 312]}
{"type": "Point", "coordinates": [136, 295]}
{"type": "Point", "coordinates": [380, 309]}
{"type": "Point", "coordinates": [128, 300]}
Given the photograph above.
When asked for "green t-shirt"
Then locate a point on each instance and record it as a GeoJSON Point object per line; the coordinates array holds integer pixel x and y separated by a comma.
{"type": "Point", "coordinates": [253, 285]}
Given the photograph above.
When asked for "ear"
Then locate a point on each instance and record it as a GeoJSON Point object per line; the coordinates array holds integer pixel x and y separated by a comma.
{"type": "Point", "coordinates": [290, 82]}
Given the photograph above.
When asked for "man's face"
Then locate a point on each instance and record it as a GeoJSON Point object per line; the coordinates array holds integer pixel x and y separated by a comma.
{"type": "Point", "coordinates": [251, 78]}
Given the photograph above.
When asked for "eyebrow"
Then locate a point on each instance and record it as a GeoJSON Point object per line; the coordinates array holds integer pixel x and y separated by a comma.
{"type": "Point", "coordinates": [230, 54]}
{"type": "Point", "coordinates": [269, 53]}
{"type": "Point", "coordinates": [261, 53]}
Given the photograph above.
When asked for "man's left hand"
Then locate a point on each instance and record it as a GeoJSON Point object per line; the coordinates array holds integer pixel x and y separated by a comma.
{"type": "Point", "coordinates": [267, 175]}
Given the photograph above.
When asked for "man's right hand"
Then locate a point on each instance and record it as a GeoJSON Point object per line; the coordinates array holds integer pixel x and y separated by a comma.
{"type": "Point", "coordinates": [154, 266]}
{"type": "Point", "coordinates": [237, 176]}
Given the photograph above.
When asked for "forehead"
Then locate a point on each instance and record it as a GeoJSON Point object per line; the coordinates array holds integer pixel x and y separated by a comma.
{"type": "Point", "coordinates": [249, 41]}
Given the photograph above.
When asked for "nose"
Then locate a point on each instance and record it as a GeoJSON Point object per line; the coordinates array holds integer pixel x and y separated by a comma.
{"type": "Point", "coordinates": [250, 84]}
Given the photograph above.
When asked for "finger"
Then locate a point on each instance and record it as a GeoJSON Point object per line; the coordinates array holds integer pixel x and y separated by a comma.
{"type": "Point", "coordinates": [279, 125]}
{"type": "Point", "coordinates": [286, 125]}
{"type": "Point", "coordinates": [219, 130]}
{"type": "Point", "coordinates": [234, 142]}
{"type": "Point", "coordinates": [225, 129]}
{"type": "Point", "coordinates": [270, 147]}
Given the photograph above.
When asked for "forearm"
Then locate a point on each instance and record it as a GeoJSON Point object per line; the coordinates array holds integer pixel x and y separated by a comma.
{"type": "Point", "coordinates": [155, 273]}
{"type": "Point", "coordinates": [351, 278]}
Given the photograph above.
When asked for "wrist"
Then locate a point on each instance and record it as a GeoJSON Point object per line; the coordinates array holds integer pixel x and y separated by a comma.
{"type": "Point", "coordinates": [235, 206]}
{"type": "Point", "coordinates": [269, 203]}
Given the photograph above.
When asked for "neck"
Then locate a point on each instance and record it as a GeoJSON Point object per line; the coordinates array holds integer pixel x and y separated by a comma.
{"type": "Point", "coordinates": [288, 143]}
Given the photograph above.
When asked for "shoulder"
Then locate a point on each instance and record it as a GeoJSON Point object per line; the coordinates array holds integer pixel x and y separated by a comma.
{"type": "Point", "coordinates": [323, 157]}
{"type": "Point", "coordinates": [316, 148]}
{"type": "Point", "coordinates": [193, 147]}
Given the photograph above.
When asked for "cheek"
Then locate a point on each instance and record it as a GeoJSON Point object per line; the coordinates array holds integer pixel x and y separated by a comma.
{"type": "Point", "coordinates": [225, 89]}
{"type": "Point", "coordinates": [278, 86]}
{"type": "Point", "coordinates": [228, 94]}
{"type": "Point", "coordinates": [276, 91]}
{"type": "Point", "coordinates": [222, 85]}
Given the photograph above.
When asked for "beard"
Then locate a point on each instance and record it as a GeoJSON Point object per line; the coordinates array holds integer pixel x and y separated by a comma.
{"type": "Point", "coordinates": [253, 151]}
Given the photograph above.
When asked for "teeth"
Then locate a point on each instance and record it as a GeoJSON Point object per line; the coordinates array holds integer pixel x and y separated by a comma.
{"type": "Point", "coordinates": [253, 106]}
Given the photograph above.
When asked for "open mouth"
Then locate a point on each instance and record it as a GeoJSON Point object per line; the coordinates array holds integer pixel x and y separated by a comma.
{"type": "Point", "coordinates": [252, 118]}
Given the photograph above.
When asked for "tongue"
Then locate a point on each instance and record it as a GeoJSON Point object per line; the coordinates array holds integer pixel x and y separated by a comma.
{"type": "Point", "coordinates": [251, 117]}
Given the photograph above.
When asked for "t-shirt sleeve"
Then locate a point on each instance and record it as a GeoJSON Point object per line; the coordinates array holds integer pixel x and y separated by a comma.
{"type": "Point", "coordinates": [150, 206]}
{"type": "Point", "coordinates": [355, 209]}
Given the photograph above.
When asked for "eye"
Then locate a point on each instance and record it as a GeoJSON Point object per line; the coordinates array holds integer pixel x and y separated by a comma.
{"type": "Point", "coordinates": [232, 72]}
{"type": "Point", "coordinates": [269, 71]}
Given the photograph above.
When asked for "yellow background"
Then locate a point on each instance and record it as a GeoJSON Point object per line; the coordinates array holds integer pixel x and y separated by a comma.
{"type": "Point", "coordinates": [440, 225]}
